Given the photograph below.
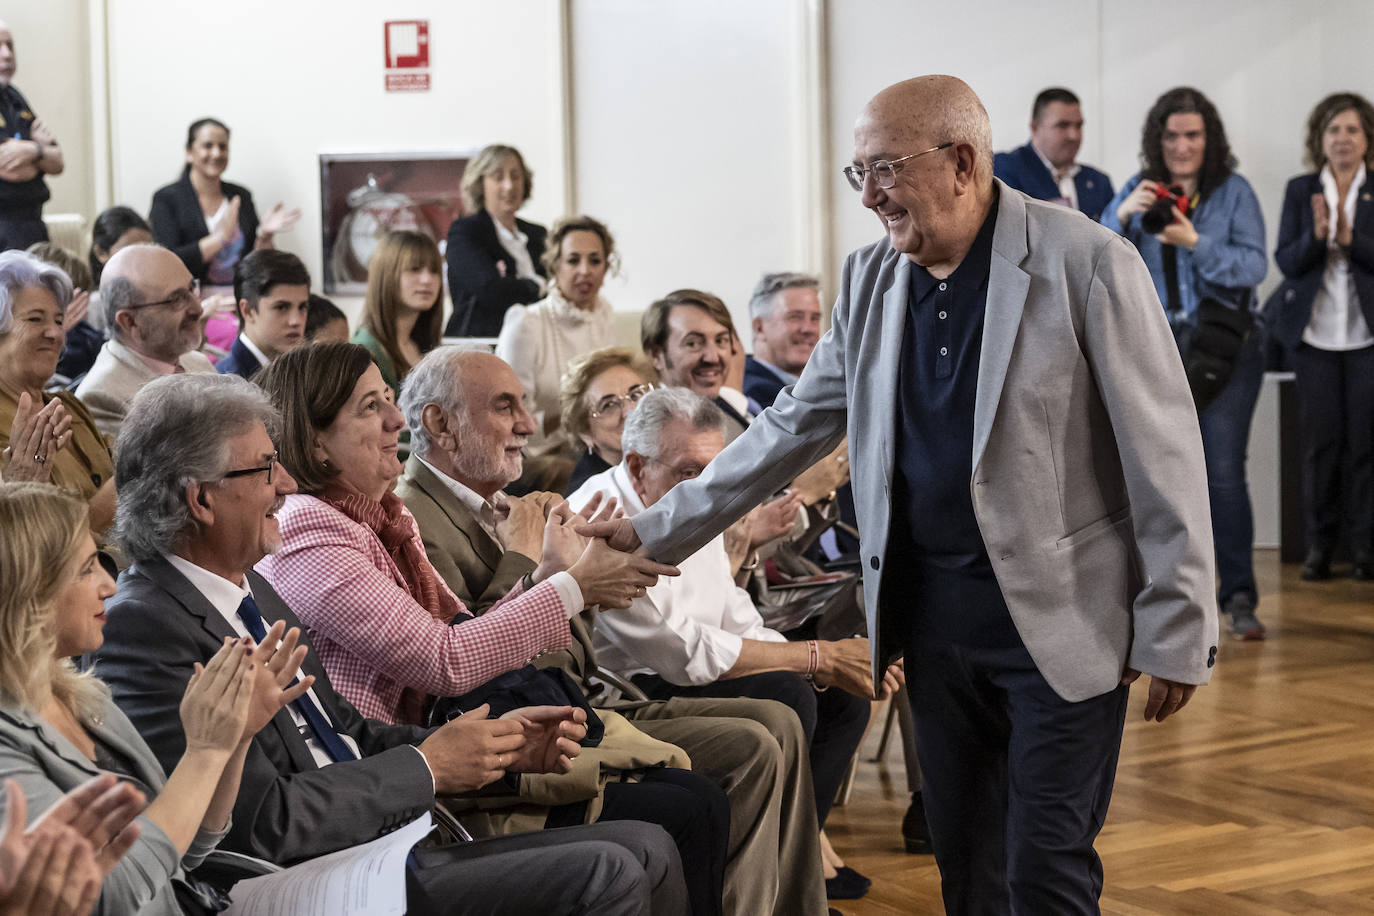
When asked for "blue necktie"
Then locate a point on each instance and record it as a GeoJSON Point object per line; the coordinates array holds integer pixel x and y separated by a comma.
{"type": "Point", "coordinates": [314, 716]}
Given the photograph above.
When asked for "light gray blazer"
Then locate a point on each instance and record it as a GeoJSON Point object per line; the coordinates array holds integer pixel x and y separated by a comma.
{"type": "Point", "coordinates": [116, 376]}
{"type": "Point", "coordinates": [47, 765]}
{"type": "Point", "coordinates": [1087, 474]}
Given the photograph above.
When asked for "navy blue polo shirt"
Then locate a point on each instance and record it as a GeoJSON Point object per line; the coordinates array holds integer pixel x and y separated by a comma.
{"type": "Point", "coordinates": [16, 123]}
{"type": "Point", "coordinates": [940, 582]}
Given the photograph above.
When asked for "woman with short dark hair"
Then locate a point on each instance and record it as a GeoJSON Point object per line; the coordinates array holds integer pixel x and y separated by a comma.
{"type": "Point", "coordinates": [1323, 315]}
{"type": "Point", "coordinates": [1197, 224]}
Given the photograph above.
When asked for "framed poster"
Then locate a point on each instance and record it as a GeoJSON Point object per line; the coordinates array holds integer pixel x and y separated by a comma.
{"type": "Point", "coordinates": [363, 195]}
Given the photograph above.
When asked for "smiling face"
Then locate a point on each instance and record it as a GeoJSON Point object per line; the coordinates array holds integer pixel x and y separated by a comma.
{"type": "Point", "coordinates": [918, 211]}
{"type": "Point", "coordinates": [503, 190]}
{"type": "Point", "coordinates": [1185, 145]}
{"type": "Point", "coordinates": [1058, 133]}
{"type": "Point", "coordinates": [581, 268]}
{"type": "Point", "coordinates": [696, 352]}
{"type": "Point", "coordinates": [164, 331]}
{"type": "Point", "coordinates": [244, 528]}
{"type": "Point", "coordinates": [492, 425]}
{"type": "Point", "coordinates": [790, 332]}
{"type": "Point", "coordinates": [30, 349]}
{"type": "Point", "coordinates": [208, 153]}
{"type": "Point", "coordinates": [277, 323]}
{"type": "Point", "coordinates": [683, 453]}
{"type": "Point", "coordinates": [79, 607]}
{"type": "Point", "coordinates": [606, 391]}
{"type": "Point", "coordinates": [1344, 143]}
{"type": "Point", "coordinates": [362, 441]}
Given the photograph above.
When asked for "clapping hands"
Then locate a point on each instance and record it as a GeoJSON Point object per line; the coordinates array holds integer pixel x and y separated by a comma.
{"type": "Point", "coordinates": [36, 437]}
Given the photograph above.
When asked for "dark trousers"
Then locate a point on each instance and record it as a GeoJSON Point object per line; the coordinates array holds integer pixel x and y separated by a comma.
{"type": "Point", "coordinates": [1336, 400]}
{"type": "Point", "coordinates": [833, 721]}
{"type": "Point", "coordinates": [694, 811]}
{"type": "Point", "coordinates": [626, 868]}
{"type": "Point", "coordinates": [1017, 780]}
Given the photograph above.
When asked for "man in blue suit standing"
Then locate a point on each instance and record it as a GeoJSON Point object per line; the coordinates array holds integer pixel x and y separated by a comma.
{"type": "Point", "coordinates": [1046, 167]}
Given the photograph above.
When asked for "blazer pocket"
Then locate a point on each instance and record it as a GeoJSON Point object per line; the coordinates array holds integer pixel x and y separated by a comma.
{"type": "Point", "coordinates": [1093, 529]}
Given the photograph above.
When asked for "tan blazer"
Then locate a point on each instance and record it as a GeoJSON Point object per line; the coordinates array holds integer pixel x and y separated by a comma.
{"type": "Point", "coordinates": [117, 376]}
{"type": "Point", "coordinates": [1087, 473]}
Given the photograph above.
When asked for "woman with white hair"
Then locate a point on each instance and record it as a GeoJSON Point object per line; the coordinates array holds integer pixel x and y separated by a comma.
{"type": "Point", "coordinates": [49, 436]}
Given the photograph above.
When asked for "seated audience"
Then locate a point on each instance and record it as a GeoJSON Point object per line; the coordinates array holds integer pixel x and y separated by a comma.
{"type": "Point", "coordinates": [541, 340]}
{"type": "Point", "coordinates": [325, 322]}
{"type": "Point", "coordinates": [1323, 315]}
{"type": "Point", "coordinates": [50, 867]}
{"type": "Point", "coordinates": [1210, 249]}
{"type": "Point", "coordinates": [71, 454]}
{"type": "Point", "coordinates": [152, 315]}
{"type": "Point", "coordinates": [81, 341]}
{"type": "Point", "coordinates": [59, 728]}
{"type": "Point", "coordinates": [482, 542]}
{"type": "Point", "coordinates": [273, 293]}
{"type": "Point", "coordinates": [700, 635]}
{"type": "Point", "coordinates": [113, 229]}
{"type": "Point", "coordinates": [404, 308]}
{"type": "Point", "coordinates": [494, 260]}
{"type": "Point", "coordinates": [353, 567]}
{"type": "Point", "coordinates": [598, 392]}
{"type": "Point", "coordinates": [1047, 167]}
{"type": "Point", "coordinates": [210, 223]}
{"type": "Point", "coordinates": [199, 482]}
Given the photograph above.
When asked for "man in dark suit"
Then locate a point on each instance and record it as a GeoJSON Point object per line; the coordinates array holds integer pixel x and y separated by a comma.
{"type": "Point", "coordinates": [272, 289]}
{"type": "Point", "coordinates": [199, 485]}
{"type": "Point", "coordinates": [785, 316]}
{"type": "Point", "coordinates": [482, 543]}
{"type": "Point", "coordinates": [1047, 168]}
{"type": "Point", "coordinates": [1031, 490]}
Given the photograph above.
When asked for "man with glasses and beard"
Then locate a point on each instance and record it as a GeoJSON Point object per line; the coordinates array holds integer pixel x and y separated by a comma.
{"type": "Point", "coordinates": [152, 311]}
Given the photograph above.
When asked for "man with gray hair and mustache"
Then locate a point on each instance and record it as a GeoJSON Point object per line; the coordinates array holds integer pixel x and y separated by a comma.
{"type": "Point", "coordinates": [1030, 488]}
{"type": "Point", "coordinates": [199, 486]}
{"type": "Point", "coordinates": [152, 314]}
{"type": "Point", "coordinates": [465, 409]}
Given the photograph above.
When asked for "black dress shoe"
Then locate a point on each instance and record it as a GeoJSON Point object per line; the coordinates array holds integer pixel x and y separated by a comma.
{"type": "Point", "coordinates": [1317, 566]}
{"type": "Point", "coordinates": [846, 885]}
{"type": "Point", "coordinates": [1364, 567]}
{"type": "Point", "coordinates": [915, 833]}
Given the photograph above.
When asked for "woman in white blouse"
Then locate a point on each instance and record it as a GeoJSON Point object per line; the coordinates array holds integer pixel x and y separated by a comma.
{"type": "Point", "coordinates": [1323, 314]}
{"type": "Point", "coordinates": [540, 341]}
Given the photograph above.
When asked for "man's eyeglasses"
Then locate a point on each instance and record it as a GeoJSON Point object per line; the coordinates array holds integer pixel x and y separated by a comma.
{"type": "Point", "coordinates": [884, 171]}
{"type": "Point", "coordinates": [244, 472]}
{"type": "Point", "coordinates": [614, 404]}
{"type": "Point", "coordinates": [683, 474]}
{"type": "Point", "coordinates": [182, 298]}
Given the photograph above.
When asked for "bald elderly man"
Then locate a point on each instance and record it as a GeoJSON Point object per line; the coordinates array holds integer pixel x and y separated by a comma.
{"type": "Point", "coordinates": [152, 311]}
{"type": "Point", "coordinates": [1030, 488]}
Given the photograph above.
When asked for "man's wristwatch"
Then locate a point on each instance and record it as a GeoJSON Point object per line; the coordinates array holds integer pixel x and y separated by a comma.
{"type": "Point", "coordinates": [41, 152]}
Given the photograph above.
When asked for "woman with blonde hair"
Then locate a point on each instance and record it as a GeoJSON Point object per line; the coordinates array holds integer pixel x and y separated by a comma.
{"type": "Point", "coordinates": [59, 728]}
{"type": "Point", "coordinates": [403, 311]}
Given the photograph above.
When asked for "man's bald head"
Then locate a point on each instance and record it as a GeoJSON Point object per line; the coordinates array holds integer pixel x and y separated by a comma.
{"type": "Point", "coordinates": [929, 110]}
{"type": "Point", "coordinates": [149, 305]}
{"type": "Point", "coordinates": [929, 140]}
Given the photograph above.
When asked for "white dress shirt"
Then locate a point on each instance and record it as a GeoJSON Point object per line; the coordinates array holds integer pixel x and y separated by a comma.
{"type": "Point", "coordinates": [1337, 322]}
{"type": "Point", "coordinates": [1064, 179]}
{"type": "Point", "coordinates": [487, 512]}
{"type": "Point", "coordinates": [516, 244]}
{"type": "Point", "coordinates": [686, 629]}
{"type": "Point", "coordinates": [226, 598]}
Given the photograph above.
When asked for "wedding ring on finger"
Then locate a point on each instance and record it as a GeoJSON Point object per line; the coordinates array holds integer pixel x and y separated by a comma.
{"type": "Point", "coordinates": [501, 761]}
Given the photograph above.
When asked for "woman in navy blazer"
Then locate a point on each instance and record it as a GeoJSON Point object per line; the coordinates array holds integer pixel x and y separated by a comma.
{"type": "Point", "coordinates": [1324, 314]}
{"type": "Point", "coordinates": [484, 276]}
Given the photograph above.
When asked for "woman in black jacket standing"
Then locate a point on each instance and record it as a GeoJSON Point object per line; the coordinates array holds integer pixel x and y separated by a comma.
{"type": "Point", "coordinates": [1323, 314]}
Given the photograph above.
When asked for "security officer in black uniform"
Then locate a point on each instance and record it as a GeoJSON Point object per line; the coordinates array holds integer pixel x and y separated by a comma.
{"type": "Point", "coordinates": [28, 151]}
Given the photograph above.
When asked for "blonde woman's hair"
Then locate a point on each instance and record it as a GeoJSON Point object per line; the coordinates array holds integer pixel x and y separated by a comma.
{"type": "Point", "coordinates": [41, 530]}
{"type": "Point", "coordinates": [486, 162]}
{"type": "Point", "coordinates": [397, 252]}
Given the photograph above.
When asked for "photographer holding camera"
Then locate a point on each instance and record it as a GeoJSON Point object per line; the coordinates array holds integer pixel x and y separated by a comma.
{"type": "Point", "coordinates": [1198, 226]}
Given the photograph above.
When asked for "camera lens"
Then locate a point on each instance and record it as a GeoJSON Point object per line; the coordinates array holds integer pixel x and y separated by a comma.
{"type": "Point", "coordinates": [1160, 214]}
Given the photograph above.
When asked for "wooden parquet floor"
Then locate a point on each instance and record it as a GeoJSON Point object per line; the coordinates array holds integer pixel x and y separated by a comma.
{"type": "Point", "coordinates": [1258, 798]}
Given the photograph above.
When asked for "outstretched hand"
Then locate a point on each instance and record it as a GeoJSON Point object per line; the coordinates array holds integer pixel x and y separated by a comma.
{"type": "Point", "coordinates": [1166, 697]}
{"type": "Point", "coordinates": [619, 533]}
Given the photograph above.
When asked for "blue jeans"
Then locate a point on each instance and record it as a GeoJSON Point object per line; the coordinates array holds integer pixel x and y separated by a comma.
{"type": "Point", "coordinates": [1225, 435]}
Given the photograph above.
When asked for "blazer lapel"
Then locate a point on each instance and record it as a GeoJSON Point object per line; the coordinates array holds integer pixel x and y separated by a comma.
{"type": "Point", "coordinates": [1008, 285]}
{"type": "Point", "coordinates": [889, 361]}
{"type": "Point", "coordinates": [487, 550]}
{"type": "Point", "coordinates": [188, 596]}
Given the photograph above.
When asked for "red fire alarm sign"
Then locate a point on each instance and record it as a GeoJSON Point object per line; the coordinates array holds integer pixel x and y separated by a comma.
{"type": "Point", "coordinates": [407, 55]}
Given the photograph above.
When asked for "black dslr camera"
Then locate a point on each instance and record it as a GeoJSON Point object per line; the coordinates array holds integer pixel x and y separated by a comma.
{"type": "Point", "coordinates": [1161, 212]}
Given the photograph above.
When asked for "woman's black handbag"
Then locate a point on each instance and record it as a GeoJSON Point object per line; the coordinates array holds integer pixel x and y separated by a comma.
{"type": "Point", "coordinates": [1211, 345]}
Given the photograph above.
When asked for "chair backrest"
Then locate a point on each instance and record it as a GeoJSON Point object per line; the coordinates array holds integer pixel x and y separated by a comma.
{"type": "Point", "coordinates": [67, 230]}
